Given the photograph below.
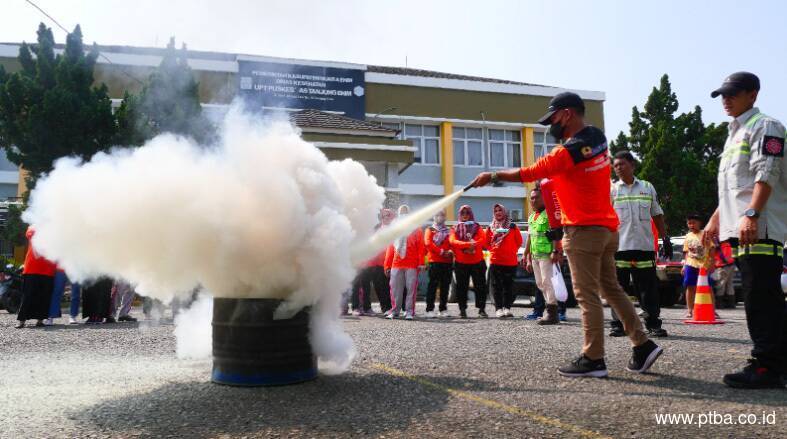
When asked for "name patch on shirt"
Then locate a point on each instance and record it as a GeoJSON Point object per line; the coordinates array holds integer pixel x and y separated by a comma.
{"type": "Point", "coordinates": [773, 146]}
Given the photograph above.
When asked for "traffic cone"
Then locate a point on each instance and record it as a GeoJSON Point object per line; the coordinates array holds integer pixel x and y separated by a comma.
{"type": "Point", "coordinates": [704, 312]}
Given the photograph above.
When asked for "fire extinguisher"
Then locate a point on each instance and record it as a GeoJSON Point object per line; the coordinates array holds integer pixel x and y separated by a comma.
{"type": "Point", "coordinates": [552, 205]}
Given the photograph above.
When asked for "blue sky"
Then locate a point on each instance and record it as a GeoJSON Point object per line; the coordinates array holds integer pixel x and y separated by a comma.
{"type": "Point", "coordinates": [619, 47]}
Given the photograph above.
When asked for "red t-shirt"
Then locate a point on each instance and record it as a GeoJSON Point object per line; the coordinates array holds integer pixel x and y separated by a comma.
{"type": "Point", "coordinates": [505, 252]}
{"type": "Point", "coordinates": [435, 253]}
{"type": "Point", "coordinates": [580, 169]}
{"type": "Point", "coordinates": [458, 246]}
{"type": "Point", "coordinates": [414, 254]}
{"type": "Point", "coordinates": [34, 263]}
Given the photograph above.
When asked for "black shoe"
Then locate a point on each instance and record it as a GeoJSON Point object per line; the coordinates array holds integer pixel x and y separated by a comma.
{"type": "Point", "coordinates": [20, 325]}
{"type": "Point", "coordinates": [644, 356]}
{"type": "Point", "coordinates": [462, 314]}
{"type": "Point", "coordinates": [110, 320]}
{"type": "Point", "coordinates": [482, 314]}
{"type": "Point", "coordinates": [40, 324]}
{"type": "Point", "coordinates": [126, 318]}
{"type": "Point", "coordinates": [754, 376]}
{"type": "Point", "coordinates": [617, 332]}
{"type": "Point", "coordinates": [657, 332]}
{"type": "Point", "coordinates": [583, 366]}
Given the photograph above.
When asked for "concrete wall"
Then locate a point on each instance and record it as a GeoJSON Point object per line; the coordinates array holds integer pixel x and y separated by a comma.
{"type": "Point", "coordinates": [465, 104]}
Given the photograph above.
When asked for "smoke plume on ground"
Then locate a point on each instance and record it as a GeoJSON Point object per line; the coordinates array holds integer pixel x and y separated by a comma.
{"type": "Point", "coordinates": [262, 214]}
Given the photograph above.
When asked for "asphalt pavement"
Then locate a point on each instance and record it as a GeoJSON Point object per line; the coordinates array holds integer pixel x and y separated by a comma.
{"type": "Point", "coordinates": [422, 378]}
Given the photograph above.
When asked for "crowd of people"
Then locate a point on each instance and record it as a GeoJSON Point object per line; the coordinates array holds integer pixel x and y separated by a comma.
{"type": "Point", "coordinates": [462, 252]}
{"type": "Point", "coordinates": [103, 300]}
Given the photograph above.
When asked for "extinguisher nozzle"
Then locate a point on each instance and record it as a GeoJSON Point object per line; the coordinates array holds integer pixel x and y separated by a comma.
{"type": "Point", "coordinates": [467, 188]}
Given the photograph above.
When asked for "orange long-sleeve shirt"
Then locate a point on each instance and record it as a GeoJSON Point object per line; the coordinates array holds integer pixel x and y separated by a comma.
{"type": "Point", "coordinates": [34, 263]}
{"type": "Point", "coordinates": [436, 253]}
{"type": "Point", "coordinates": [414, 255]}
{"type": "Point", "coordinates": [458, 246]}
{"type": "Point", "coordinates": [580, 169]}
{"type": "Point", "coordinates": [504, 253]}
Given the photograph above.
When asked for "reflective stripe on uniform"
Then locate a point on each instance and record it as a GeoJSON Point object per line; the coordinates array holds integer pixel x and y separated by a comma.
{"type": "Point", "coordinates": [752, 120]}
{"type": "Point", "coordinates": [635, 264]}
{"type": "Point", "coordinates": [625, 198]}
{"type": "Point", "coordinates": [759, 249]}
{"type": "Point", "coordinates": [742, 148]}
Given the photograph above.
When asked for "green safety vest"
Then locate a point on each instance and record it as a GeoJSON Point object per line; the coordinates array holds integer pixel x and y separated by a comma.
{"type": "Point", "coordinates": [540, 245]}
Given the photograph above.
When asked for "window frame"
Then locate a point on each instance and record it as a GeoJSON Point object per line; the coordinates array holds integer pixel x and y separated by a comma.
{"type": "Point", "coordinates": [422, 143]}
{"type": "Point", "coordinates": [464, 139]}
{"type": "Point", "coordinates": [545, 146]}
{"type": "Point", "coordinates": [508, 162]}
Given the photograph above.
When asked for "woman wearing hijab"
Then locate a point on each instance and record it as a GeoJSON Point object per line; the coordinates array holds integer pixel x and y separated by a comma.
{"type": "Point", "coordinates": [402, 260]}
{"type": "Point", "coordinates": [503, 240]}
{"type": "Point", "coordinates": [373, 274]}
{"type": "Point", "coordinates": [38, 282]}
{"type": "Point", "coordinates": [467, 241]}
{"type": "Point", "coordinates": [440, 259]}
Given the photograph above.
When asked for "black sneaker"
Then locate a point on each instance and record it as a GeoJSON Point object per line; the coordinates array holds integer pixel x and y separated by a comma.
{"type": "Point", "coordinates": [482, 314]}
{"type": "Point", "coordinates": [127, 318]}
{"type": "Point", "coordinates": [583, 366]}
{"type": "Point", "coordinates": [110, 320]}
{"type": "Point", "coordinates": [754, 376]}
{"type": "Point", "coordinates": [462, 314]}
{"type": "Point", "coordinates": [643, 357]}
{"type": "Point", "coordinates": [657, 332]}
{"type": "Point", "coordinates": [617, 332]}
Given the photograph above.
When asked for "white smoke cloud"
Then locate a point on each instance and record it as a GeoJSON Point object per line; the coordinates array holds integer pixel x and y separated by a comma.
{"type": "Point", "coordinates": [193, 330]}
{"type": "Point", "coordinates": [264, 214]}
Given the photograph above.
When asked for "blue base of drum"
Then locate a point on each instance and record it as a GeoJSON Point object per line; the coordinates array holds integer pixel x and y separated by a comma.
{"type": "Point", "coordinates": [262, 379]}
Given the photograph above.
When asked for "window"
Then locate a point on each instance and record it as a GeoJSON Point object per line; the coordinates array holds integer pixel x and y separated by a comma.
{"type": "Point", "coordinates": [468, 146]}
{"type": "Point", "coordinates": [426, 140]}
{"type": "Point", "coordinates": [542, 144]}
{"type": "Point", "coordinates": [516, 215]}
{"type": "Point", "coordinates": [505, 149]}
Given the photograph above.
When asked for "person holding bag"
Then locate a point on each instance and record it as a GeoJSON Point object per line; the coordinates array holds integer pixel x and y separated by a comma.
{"type": "Point", "coordinates": [540, 256]}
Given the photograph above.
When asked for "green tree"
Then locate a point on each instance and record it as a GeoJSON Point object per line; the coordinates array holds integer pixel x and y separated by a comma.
{"type": "Point", "coordinates": [168, 102]}
{"type": "Point", "coordinates": [50, 108]}
{"type": "Point", "coordinates": [678, 154]}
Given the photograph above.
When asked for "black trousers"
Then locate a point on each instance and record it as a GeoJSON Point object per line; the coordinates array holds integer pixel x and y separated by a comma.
{"type": "Point", "coordinates": [368, 278]}
{"type": "Point", "coordinates": [362, 290]}
{"type": "Point", "coordinates": [645, 282]}
{"type": "Point", "coordinates": [96, 298]}
{"type": "Point", "coordinates": [463, 274]}
{"type": "Point", "coordinates": [766, 313]}
{"type": "Point", "coordinates": [502, 277]}
{"type": "Point", "coordinates": [439, 275]}
{"type": "Point", "coordinates": [36, 296]}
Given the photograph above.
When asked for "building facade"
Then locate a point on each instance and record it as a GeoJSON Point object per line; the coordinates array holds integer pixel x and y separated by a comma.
{"type": "Point", "coordinates": [422, 134]}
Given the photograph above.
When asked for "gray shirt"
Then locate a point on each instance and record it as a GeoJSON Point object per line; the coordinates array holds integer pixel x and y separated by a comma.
{"type": "Point", "coordinates": [753, 152]}
{"type": "Point", "coordinates": [635, 205]}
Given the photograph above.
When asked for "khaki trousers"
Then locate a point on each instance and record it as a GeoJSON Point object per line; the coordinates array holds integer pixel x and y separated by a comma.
{"type": "Point", "coordinates": [591, 258]}
{"type": "Point", "coordinates": [542, 268]}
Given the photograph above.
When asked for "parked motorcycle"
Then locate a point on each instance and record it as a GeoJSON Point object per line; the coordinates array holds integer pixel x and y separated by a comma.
{"type": "Point", "coordinates": [11, 288]}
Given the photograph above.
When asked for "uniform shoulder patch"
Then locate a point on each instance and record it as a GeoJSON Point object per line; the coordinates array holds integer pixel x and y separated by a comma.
{"type": "Point", "coordinates": [773, 146]}
{"type": "Point", "coordinates": [586, 144]}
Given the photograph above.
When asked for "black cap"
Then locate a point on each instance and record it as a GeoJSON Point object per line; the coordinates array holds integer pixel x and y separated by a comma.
{"type": "Point", "coordinates": [559, 102]}
{"type": "Point", "coordinates": [738, 81]}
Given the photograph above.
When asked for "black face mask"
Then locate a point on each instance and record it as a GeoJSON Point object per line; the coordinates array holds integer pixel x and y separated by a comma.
{"type": "Point", "coordinates": [556, 130]}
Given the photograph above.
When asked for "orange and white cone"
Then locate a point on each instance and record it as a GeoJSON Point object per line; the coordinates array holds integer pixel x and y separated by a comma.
{"type": "Point", "coordinates": [704, 311]}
